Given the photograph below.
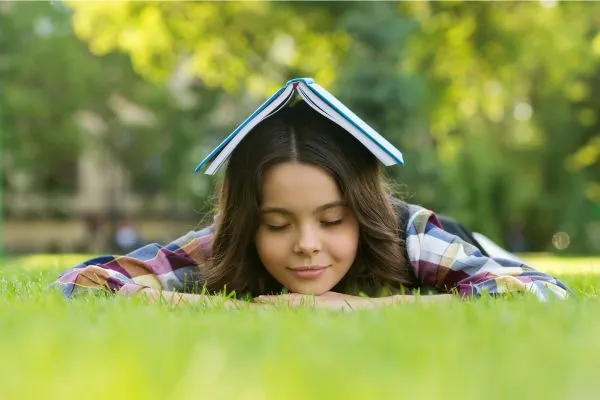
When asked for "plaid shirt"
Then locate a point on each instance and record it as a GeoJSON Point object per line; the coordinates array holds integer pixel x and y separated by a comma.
{"type": "Point", "coordinates": [440, 260]}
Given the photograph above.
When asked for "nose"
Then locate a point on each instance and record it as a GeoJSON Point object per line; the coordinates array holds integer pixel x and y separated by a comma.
{"type": "Point", "coordinates": [308, 241]}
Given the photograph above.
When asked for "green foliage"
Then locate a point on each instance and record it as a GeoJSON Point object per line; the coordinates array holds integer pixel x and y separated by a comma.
{"type": "Point", "coordinates": [50, 80]}
{"type": "Point", "coordinates": [232, 45]}
{"type": "Point", "coordinates": [494, 105]}
{"type": "Point", "coordinates": [37, 107]}
{"type": "Point", "coordinates": [507, 117]}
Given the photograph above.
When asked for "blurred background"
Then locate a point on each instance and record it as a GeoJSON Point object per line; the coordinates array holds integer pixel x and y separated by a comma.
{"type": "Point", "coordinates": [106, 108]}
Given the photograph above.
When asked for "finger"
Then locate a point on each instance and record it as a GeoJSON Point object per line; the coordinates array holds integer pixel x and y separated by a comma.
{"type": "Point", "coordinates": [332, 294]}
{"type": "Point", "coordinates": [276, 299]}
{"type": "Point", "coordinates": [334, 304]}
{"type": "Point", "coordinates": [296, 299]}
{"type": "Point", "coordinates": [267, 299]}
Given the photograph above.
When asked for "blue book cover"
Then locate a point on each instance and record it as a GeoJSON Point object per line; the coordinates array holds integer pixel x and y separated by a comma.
{"type": "Point", "coordinates": [321, 101]}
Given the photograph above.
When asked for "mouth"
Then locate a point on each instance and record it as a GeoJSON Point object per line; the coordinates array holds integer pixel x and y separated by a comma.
{"type": "Point", "coordinates": [310, 268]}
{"type": "Point", "coordinates": [309, 272]}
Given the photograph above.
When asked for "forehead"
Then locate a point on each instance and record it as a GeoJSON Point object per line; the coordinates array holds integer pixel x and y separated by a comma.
{"type": "Point", "coordinates": [298, 187]}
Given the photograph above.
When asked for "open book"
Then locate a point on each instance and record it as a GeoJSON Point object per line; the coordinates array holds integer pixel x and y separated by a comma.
{"type": "Point", "coordinates": [321, 101]}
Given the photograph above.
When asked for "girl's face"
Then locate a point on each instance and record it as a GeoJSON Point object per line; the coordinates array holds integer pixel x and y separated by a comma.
{"type": "Point", "coordinates": [308, 237]}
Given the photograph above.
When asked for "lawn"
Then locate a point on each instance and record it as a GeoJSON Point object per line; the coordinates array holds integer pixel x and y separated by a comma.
{"type": "Point", "coordinates": [117, 348]}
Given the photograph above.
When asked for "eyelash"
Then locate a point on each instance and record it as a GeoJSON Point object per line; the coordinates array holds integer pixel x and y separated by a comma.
{"type": "Point", "coordinates": [331, 223]}
{"type": "Point", "coordinates": [276, 228]}
{"type": "Point", "coordinates": [279, 228]}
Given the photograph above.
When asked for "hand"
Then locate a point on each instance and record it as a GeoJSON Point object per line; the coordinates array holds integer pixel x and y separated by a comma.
{"type": "Point", "coordinates": [329, 300]}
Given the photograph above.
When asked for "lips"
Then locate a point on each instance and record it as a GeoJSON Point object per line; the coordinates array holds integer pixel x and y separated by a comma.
{"type": "Point", "coordinates": [309, 268]}
{"type": "Point", "coordinates": [309, 272]}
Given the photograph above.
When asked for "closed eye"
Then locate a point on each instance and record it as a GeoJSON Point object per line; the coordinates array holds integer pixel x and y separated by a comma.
{"type": "Point", "coordinates": [331, 223]}
{"type": "Point", "coordinates": [276, 228]}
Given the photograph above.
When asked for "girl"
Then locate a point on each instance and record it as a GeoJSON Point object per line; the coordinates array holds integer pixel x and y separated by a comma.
{"type": "Point", "coordinates": [303, 208]}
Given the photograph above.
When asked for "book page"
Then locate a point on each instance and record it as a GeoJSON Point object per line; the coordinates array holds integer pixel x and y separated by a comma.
{"type": "Point", "coordinates": [327, 111]}
{"type": "Point", "coordinates": [316, 106]}
{"type": "Point", "coordinates": [231, 142]}
{"type": "Point", "coordinates": [333, 106]}
{"type": "Point", "coordinates": [282, 105]}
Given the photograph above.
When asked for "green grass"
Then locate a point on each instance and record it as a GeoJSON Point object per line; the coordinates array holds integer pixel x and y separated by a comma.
{"type": "Point", "coordinates": [117, 348]}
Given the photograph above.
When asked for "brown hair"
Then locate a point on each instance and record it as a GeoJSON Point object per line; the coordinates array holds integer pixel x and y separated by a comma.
{"type": "Point", "coordinates": [299, 134]}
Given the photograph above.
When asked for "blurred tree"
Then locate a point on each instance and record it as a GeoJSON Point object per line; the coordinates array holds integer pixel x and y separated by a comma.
{"type": "Point", "coordinates": [490, 111]}
{"type": "Point", "coordinates": [51, 82]}
{"type": "Point", "coordinates": [36, 59]}
{"type": "Point", "coordinates": [511, 107]}
{"type": "Point", "coordinates": [233, 45]}
{"type": "Point", "coordinates": [495, 105]}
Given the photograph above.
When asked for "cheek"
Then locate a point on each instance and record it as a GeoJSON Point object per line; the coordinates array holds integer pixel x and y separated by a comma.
{"type": "Point", "coordinates": [271, 249]}
{"type": "Point", "coordinates": [345, 247]}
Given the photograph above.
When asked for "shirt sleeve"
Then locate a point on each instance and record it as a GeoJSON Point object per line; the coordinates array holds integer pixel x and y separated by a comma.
{"type": "Point", "coordinates": [448, 263]}
{"type": "Point", "coordinates": [174, 267]}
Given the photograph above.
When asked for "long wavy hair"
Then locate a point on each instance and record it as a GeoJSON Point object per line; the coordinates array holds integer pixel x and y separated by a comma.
{"type": "Point", "coordinates": [299, 134]}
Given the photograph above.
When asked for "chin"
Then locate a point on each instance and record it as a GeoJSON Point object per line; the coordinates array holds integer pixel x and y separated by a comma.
{"type": "Point", "coordinates": [315, 290]}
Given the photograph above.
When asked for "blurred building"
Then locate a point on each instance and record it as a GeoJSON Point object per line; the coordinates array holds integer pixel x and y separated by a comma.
{"type": "Point", "coordinates": [87, 220]}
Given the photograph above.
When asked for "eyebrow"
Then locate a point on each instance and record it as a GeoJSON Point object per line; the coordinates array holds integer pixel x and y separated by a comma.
{"type": "Point", "coordinates": [321, 208]}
